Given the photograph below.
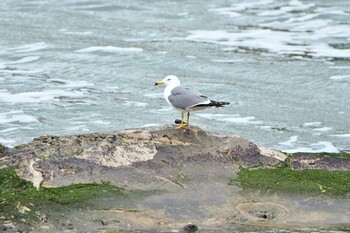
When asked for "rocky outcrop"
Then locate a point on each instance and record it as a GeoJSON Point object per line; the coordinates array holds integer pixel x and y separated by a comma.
{"type": "Point", "coordinates": [144, 158]}
{"type": "Point", "coordinates": [193, 166]}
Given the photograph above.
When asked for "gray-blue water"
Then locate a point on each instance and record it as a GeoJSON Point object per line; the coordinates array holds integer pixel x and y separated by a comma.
{"type": "Point", "coordinates": [79, 66]}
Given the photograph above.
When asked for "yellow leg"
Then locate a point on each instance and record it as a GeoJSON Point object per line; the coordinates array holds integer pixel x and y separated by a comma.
{"type": "Point", "coordinates": [182, 121]}
{"type": "Point", "coordinates": [188, 118]}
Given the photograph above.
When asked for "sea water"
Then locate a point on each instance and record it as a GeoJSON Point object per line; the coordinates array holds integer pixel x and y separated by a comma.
{"type": "Point", "coordinates": [81, 66]}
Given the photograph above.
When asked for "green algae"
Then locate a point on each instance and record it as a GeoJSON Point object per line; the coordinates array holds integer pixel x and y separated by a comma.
{"type": "Point", "coordinates": [288, 181]}
{"type": "Point", "coordinates": [23, 204]}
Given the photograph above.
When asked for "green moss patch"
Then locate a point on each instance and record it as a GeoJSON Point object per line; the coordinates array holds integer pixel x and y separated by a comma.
{"type": "Point", "coordinates": [285, 180]}
{"type": "Point", "coordinates": [21, 203]}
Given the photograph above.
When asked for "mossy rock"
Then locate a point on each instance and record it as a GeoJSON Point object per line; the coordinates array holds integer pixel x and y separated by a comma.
{"type": "Point", "coordinates": [24, 206]}
{"type": "Point", "coordinates": [310, 182]}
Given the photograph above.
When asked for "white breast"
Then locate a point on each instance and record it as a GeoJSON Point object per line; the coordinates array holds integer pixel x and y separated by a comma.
{"type": "Point", "coordinates": [167, 93]}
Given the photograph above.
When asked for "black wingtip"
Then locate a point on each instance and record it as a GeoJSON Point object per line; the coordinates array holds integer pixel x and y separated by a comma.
{"type": "Point", "coordinates": [214, 104]}
{"type": "Point", "coordinates": [224, 103]}
{"type": "Point", "coordinates": [220, 104]}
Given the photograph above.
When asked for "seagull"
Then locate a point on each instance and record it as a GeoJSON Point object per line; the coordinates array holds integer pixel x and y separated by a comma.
{"type": "Point", "coordinates": [185, 99]}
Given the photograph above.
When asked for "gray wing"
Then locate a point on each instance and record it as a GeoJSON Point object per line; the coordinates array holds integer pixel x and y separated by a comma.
{"type": "Point", "coordinates": [182, 97]}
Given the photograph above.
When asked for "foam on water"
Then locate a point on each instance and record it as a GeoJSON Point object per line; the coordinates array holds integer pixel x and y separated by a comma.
{"type": "Point", "coordinates": [17, 71]}
{"type": "Point", "coordinates": [108, 49]}
{"type": "Point", "coordinates": [312, 124]}
{"type": "Point", "coordinates": [318, 147]}
{"type": "Point", "coordinates": [340, 77]}
{"type": "Point", "coordinates": [341, 135]}
{"type": "Point", "coordinates": [279, 42]}
{"type": "Point", "coordinates": [227, 61]}
{"type": "Point", "coordinates": [37, 97]}
{"type": "Point", "coordinates": [235, 119]}
{"type": "Point", "coordinates": [16, 116]}
{"type": "Point", "coordinates": [323, 129]}
{"type": "Point", "coordinates": [65, 31]}
{"type": "Point", "coordinates": [8, 130]}
{"type": "Point", "coordinates": [100, 122]}
{"type": "Point", "coordinates": [284, 28]}
{"type": "Point", "coordinates": [24, 60]}
{"type": "Point", "coordinates": [230, 11]}
{"type": "Point", "coordinates": [29, 47]}
{"type": "Point", "coordinates": [339, 67]}
{"type": "Point", "coordinates": [291, 141]}
{"type": "Point", "coordinates": [7, 142]}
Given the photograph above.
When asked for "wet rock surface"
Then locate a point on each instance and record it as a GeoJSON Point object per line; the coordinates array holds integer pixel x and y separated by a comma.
{"type": "Point", "coordinates": [145, 158]}
{"type": "Point", "coordinates": [301, 161]}
{"type": "Point", "coordinates": [193, 166]}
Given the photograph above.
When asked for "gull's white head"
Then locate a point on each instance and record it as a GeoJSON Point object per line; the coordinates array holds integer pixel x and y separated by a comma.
{"type": "Point", "coordinates": [170, 80]}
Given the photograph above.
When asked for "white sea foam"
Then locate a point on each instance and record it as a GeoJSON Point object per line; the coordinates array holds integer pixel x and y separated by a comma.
{"type": "Point", "coordinates": [9, 130]}
{"type": "Point", "coordinates": [312, 124]}
{"type": "Point", "coordinates": [324, 50]}
{"type": "Point", "coordinates": [230, 11]}
{"type": "Point", "coordinates": [274, 41]}
{"type": "Point", "coordinates": [215, 116]}
{"type": "Point", "coordinates": [302, 18]}
{"type": "Point", "coordinates": [15, 71]}
{"type": "Point", "coordinates": [65, 31]}
{"type": "Point", "coordinates": [101, 122]}
{"type": "Point", "coordinates": [291, 141]}
{"type": "Point", "coordinates": [280, 42]}
{"type": "Point", "coordinates": [323, 129]}
{"type": "Point", "coordinates": [319, 147]}
{"type": "Point", "coordinates": [108, 49]}
{"type": "Point", "coordinates": [154, 95]}
{"type": "Point", "coordinates": [37, 97]}
{"type": "Point", "coordinates": [341, 135]}
{"type": "Point", "coordinates": [242, 120]}
{"type": "Point", "coordinates": [266, 127]}
{"type": "Point", "coordinates": [241, 6]}
{"type": "Point", "coordinates": [29, 47]}
{"type": "Point", "coordinates": [339, 67]}
{"type": "Point", "coordinates": [24, 60]}
{"type": "Point", "coordinates": [326, 11]}
{"type": "Point", "coordinates": [227, 61]}
{"type": "Point", "coordinates": [7, 142]}
{"type": "Point", "coordinates": [296, 28]}
{"type": "Point", "coordinates": [236, 118]}
{"type": "Point", "coordinates": [234, 10]}
{"type": "Point", "coordinates": [340, 77]}
{"type": "Point", "coordinates": [292, 6]}
{"type": "Point", "coordinates": [17, 116]}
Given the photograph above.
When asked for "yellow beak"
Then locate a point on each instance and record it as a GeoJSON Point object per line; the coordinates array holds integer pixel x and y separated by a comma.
{"type": "Point", "coordinates": [159, 83]}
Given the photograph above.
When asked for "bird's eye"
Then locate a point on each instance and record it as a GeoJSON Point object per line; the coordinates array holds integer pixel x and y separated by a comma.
{"type": "Point", "coordinates": [168, 79]}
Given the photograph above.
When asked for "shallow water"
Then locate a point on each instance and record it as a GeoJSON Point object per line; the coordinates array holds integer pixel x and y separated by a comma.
{"type": "Point", "coordinates": [220, 210]}
{"type": "Point", "coordinates": [69, 67]}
